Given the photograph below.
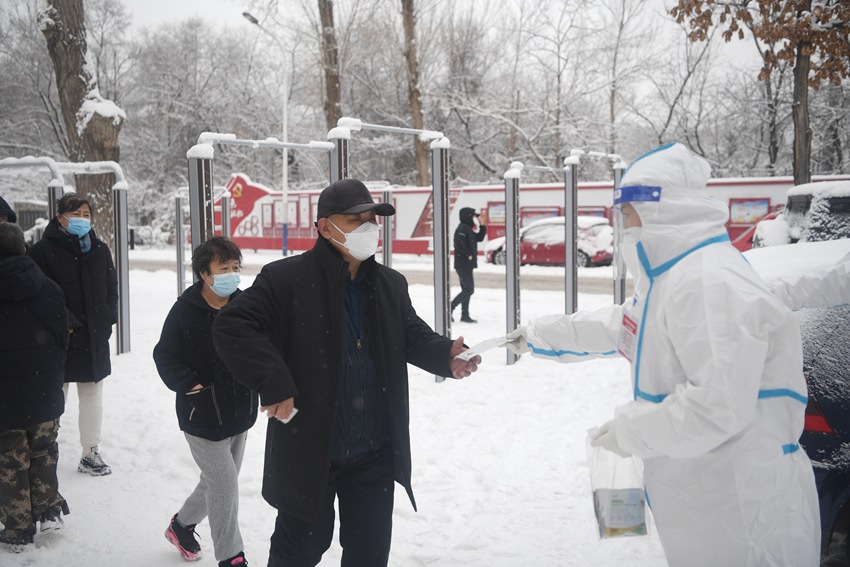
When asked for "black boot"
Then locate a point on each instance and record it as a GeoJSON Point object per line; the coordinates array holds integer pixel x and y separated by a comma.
{"type": "Point", "coordinates": [467, 319]}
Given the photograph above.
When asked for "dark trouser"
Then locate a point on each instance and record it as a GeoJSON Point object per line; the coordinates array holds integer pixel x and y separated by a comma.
{"type": "Point", "coordinates": [467, 288]}
{"type": "Point", "coordinates": [28, 482]}
{"type": "Point", "coordinates": [365, 492]}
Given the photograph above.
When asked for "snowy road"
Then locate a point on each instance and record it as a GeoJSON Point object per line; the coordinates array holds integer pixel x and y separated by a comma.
{"type": "Point", "coordinates": [591, 280]}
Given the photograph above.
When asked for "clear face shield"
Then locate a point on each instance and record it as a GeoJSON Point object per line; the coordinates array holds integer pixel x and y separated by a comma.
{"type": "Point", "coordinates": [627, 224]}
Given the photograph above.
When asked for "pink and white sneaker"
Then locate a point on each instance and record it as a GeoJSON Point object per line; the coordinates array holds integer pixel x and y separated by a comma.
{"type": "Point", "coordinates": [183, 538]}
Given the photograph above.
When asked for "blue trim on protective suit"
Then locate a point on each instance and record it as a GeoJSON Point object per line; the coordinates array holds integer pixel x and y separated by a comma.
{"type": "Point", "coordinates": [654, 273]}
{"type": "Point", "coordinates": [557, 353]}
{"type": "Point", "coordinates": [790, 448]}
{"type": "Point", "coordinates": [783, 392]}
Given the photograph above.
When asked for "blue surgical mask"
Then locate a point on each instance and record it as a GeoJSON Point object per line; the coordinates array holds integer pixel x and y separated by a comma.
{"type": "Point", "coordinates": [78, 226]}
{"type": "Point", "coordinates": [225, 284]}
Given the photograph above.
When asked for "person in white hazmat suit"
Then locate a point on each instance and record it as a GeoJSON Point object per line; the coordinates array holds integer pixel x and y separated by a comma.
{"type": "Point", "coordinates": [716, 368]}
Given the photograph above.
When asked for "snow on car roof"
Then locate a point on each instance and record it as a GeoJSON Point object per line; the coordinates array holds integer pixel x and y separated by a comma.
{"type": "Point", "coordinates": [834, 188]}
{"type": "Point", "coordinates": [583, 221]}
{"type": "Point", "coordinates": [790, 261]}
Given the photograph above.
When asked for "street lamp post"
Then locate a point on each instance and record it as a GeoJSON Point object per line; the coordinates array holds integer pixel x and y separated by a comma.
{"type": "Point", "coordinates": [284, 175]}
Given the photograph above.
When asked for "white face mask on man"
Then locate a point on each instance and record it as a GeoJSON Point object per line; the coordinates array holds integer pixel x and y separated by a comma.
{"type": "Point", "coordinates": [362, 242]}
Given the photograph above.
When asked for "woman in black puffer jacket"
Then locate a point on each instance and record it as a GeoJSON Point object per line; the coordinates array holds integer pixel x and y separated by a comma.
{"type": "Point", "coordinates": [213, 410]}
{"type": "Point", "coordinates": [71, 254]}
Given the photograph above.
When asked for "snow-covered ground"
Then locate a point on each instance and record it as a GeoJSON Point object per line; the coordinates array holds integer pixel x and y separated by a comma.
{"type": "Point", "coordinates": [499, 463]}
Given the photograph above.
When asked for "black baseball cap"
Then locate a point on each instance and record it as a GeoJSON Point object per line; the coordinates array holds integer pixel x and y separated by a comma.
{"type": "Point", "coordinates": [349, 197]}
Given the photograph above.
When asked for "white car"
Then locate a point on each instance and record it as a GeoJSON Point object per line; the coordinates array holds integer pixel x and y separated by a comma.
{"type": "Point", "coordinates": [813, 212]}
{"type": "Point", "coordinates": [542, 242]}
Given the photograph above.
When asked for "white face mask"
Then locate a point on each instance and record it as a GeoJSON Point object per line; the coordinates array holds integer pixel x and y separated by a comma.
{"type": "Point", "coordinates": [628, 250]}
{"type": "Point", "coordinates": [361, 242]}
{"type": "Point", "coordinates": [632, 235]}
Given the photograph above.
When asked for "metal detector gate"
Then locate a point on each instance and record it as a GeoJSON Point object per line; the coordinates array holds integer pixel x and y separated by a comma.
{"type": "Point", "coordinates": [55, 190]}
{"type": "Point", "coordinates": [440, 146]}
{"type": "Point", "coordinates": [618, 166]}
{"type": "Point", "coordinates": [200, 158]}
{"type": "Point", "coordinates": [512, 240]}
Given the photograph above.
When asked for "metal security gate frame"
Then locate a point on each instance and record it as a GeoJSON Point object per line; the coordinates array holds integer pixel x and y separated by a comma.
{"type": "Point", "coordinates": [121, 230]}
{"type": "Point", "coordinates": [440, 146]}
{"type": "Point", "coordinates": [512, 241]}
{"type": "Point", "coordinates": [200, 158]}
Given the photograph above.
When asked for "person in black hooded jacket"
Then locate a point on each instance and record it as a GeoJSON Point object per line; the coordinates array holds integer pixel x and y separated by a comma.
{"type": "Point", "coordinates": [33, 343]}
{"type": "Point", "coordinates": [71, 254]}
{"type": "Point", "coordinates": [466, 259]}
{"type": "Point", "coordinates": [213, 410]}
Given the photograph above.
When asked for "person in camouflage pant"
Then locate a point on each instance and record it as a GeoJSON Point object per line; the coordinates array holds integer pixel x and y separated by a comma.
{"type": "Point", "coordinates": [33, 344]}
{"type": "Point", "coordinates": [29, 487]}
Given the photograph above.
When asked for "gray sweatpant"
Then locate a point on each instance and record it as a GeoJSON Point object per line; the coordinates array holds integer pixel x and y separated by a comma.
{"type": "Point", "coordinates": [217, 493]}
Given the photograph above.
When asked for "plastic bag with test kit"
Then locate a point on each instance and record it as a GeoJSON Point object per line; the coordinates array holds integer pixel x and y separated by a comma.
{"type": "Point", "coordinates": [619, 499]}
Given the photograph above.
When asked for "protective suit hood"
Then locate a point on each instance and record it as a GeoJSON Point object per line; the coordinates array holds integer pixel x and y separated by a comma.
{"type": "Point", "coordinates": [682, 214]}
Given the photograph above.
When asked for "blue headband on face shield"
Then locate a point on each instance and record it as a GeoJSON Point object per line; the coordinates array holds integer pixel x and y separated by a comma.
{"type": "Point", "coordinates": [637, 194]}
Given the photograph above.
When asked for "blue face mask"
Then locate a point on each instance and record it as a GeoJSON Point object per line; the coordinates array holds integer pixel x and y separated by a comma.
{"type": "Point", "coordinates": [225, 284]}
{"type": "Point", "coordinates": [78, 226]}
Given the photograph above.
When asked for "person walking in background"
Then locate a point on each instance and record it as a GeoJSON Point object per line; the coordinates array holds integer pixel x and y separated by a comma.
{"type": "Point", "coordinates": [717, 377]}
{"type": "Point", "coordinates": [466, 259]}
{"type": "Point", "coordinates": [33, 343]}
{"type": "Point", "coordinates": [71, 254]}
{"type": "Point", "coordinates": [6, 212]}
{"type": "Point", "coordinates": [331, 331]}
{"type": "Point", "coordinates": [213, 411]}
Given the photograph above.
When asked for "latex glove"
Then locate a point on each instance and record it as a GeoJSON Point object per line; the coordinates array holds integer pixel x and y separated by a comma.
{"type": "Point", "coordinates": [605, 436]}
{"type": "Point", "coordinates": [517, 341]}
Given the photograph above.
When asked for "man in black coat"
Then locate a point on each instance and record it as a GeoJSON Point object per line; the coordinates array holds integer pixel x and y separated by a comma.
{"type": "Point", "coordinates": [331, 331]}
{"type": "Point", "coordinates": [33, 343]}
{"type": "Point", "coordinates": [466, 259]}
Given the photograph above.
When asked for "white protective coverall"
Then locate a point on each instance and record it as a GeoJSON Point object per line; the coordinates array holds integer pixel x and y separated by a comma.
{"type": "Point", "coordinates": [825, 288]}
{"type": "Point", "coordinates": [716, 367]}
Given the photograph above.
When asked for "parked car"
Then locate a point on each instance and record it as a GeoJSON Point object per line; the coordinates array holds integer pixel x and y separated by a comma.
{"type": "Point", "coordinates": [826, 365]}
{"type": "Point", "coordinates": [542, 242]}
{"type": "Point", "coordinates": [813, 212]}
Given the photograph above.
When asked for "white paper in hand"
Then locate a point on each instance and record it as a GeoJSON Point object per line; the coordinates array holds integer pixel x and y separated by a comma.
{"type": "Point", "coordinates": [483, 347]}
{"type": "Point", "coordinates": [290, 416]}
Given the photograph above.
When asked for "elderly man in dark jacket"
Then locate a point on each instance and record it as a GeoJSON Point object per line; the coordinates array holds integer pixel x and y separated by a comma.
{"type": "Point", "coordinates": [331, 331]}
{"type": "Point", "coordinates": [466, 259]}
{"type": "Point", "coordinates": [33, 342]}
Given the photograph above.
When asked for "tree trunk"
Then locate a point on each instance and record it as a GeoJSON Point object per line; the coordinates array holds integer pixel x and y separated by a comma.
{"type": "Point", "coordinates": [833, 149]}
{"type": "Point", "coordinates": [773, 127]}
{"type": "Point", "coordinates": [420, 149]}
{"type": "Point", "coordinates": [330, 60]}
{"type": "Point", "coordinates": [800, 114]}
{"type": "Point", "coordinates": [91, 123]}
